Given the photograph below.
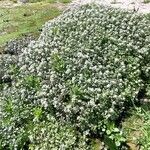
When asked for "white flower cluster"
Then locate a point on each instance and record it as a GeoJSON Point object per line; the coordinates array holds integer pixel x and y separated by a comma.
{"type": "Point", "coordinates": [86, 67]}
{"type": "Point", "coordinates": [90, 59]}
{"type": "Point", "coordinates": [7, 62]}
{"type": "Point", "coordinates": [55, 136]}
{"type": "Point", "coordinates": [23, 122]}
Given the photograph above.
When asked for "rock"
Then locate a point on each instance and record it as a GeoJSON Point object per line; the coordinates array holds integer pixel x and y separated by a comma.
{"type": "Point", "coordinates": [133, 146]}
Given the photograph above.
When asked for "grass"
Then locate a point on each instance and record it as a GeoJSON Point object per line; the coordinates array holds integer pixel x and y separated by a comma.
{"type": "Point", "coordinates": [24, 19]}
{"type": "Point", "coordinates": [136, 128]}
{"type": "Point", "coordinates": [50, 1]}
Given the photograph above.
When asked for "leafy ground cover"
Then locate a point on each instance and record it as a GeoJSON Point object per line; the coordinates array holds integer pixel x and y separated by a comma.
{"type": "Point", "coordinates": [80, 85]}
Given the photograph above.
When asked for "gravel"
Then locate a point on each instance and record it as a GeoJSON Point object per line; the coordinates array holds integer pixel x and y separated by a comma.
{"type": "Point", "coordinates": [140, 6]}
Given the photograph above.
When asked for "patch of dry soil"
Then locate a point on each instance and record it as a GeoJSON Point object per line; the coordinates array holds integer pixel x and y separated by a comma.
{"type": "Point", "coordinates": [9, 4]}
{"type": "Point", "coordinates": [141, 6]}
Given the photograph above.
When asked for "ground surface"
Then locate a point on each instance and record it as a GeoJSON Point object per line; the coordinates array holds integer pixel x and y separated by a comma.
{"type": "Point", "coordinates": [141, 6]}
{"type": "Point", "coordinates": [17, 19]}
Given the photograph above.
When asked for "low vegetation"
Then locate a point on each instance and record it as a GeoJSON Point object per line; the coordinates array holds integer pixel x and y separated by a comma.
{"type": "Point", "coordinates": [82, 85]}
{"type": "Point", "coordinates": [21, 20]}
{"type": "Point", "coordinates": [136, 127]}
{"type": "Point", "coordinates": [146, 1]}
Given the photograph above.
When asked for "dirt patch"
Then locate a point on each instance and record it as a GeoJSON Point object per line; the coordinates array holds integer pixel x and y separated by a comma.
{"type": "Point", "coordinates": [141, 6]}
{"type": "Point", "coordinates": [60, 6]}
{"type": "Point", "coordinates": [9, 4]}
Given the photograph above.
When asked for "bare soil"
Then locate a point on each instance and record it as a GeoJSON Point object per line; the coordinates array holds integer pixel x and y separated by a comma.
{"type": "Point", "coordinates": [141, 6]}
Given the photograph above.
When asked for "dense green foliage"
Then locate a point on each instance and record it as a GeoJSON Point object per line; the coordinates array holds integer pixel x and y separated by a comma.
{"type": "Point", "coordinates": [88, 65]}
